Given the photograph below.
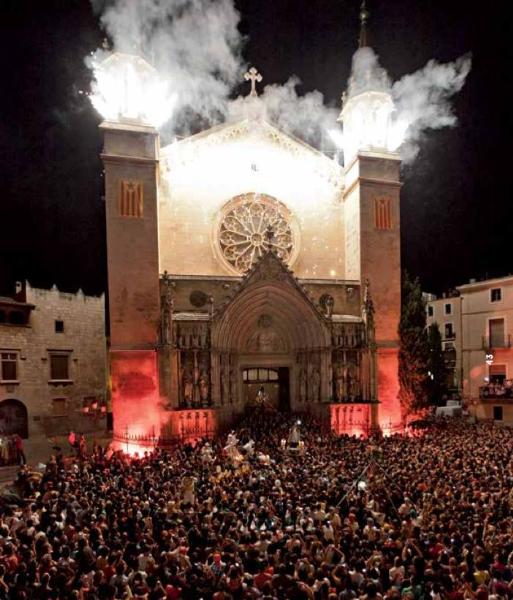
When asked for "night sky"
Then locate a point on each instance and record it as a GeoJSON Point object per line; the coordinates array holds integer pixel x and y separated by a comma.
{"type": "Point", "coordinates": [457, 215]}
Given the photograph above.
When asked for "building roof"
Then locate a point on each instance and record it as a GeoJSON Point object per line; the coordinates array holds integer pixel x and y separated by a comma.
{"type": "Point", "coordinates": [5, 300]}
{"type": "Point", "coordinates": [477, 285]}
{"type": "Point", "coordinates": [190, 148]}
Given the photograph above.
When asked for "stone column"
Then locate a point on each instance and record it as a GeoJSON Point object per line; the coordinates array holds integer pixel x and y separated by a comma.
{"type": "Point", "coordinates": [165, 373]}
{"type": "Point", "coordinates": [326, 375]}
{"type": "Point", "coordinates": [215, 375]}
{"type": "Point", "coordinates": [195, 380]}
{"type": "Point", "coordinates": [175, 378]}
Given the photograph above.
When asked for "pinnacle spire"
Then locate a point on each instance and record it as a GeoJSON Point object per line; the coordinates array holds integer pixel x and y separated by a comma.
{"type": "Point", "coordinates": [364, 17]}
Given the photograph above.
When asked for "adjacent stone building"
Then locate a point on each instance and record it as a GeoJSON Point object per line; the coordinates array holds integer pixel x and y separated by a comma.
{"type": "Point", "coordinates": [53, 362]}
{"type": "Point", "coordinates": [476, 323]}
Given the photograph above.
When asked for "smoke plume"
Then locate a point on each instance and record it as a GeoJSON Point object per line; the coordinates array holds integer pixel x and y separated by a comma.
{"type": "Point", "coordinates": [367, 74]}
{"type": "Point", "coordinates": [423, 100]}
{"type": "Point", "coordinates": [306, 116]}
{"type": "Point", "coordinates": [196, 47]}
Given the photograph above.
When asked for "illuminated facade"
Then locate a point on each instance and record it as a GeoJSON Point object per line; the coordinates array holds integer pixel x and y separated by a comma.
{"type": "Point", "coordinates": [242, 248]}
{"type": "Point", "coordinates": [241, 257]}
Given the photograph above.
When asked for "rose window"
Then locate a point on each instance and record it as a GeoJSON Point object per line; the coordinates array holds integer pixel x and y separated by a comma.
{"type": "Point", "coordinates": [252, 224]}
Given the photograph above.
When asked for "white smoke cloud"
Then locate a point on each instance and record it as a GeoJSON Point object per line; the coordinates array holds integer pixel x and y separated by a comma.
{"type": "Point", "coordinates": [306, 116]}
{"type": "Point", "coordinates": [196, 47]}
{"type": "Point", "coordinates": [423, 100]}
{"type": "Point", "coordinates": [367, 73]}
{"type": "Point", "coordinates": [417, 102]}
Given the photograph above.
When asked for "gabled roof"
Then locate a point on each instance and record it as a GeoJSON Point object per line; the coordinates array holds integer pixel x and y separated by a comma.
{"type": "Point", "coordinates": [232, 130]}
{"type": "Point", "coordinates": [269, 267]}
{"type": "Point", "coordinates": [190, 147]}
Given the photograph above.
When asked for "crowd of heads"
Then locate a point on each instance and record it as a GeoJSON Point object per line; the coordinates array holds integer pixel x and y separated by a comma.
{"type": "Point", "coordinates": [419, 518]}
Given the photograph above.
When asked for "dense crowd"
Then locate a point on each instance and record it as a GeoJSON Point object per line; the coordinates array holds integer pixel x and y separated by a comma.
{"type": "Point", "coordinates": [424, 517]}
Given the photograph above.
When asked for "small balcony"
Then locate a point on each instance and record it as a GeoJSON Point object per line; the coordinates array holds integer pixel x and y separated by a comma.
{"type": "Point", "coordinates": [497, 392]}
{"type": "Point", "coordinates": [491, 343]}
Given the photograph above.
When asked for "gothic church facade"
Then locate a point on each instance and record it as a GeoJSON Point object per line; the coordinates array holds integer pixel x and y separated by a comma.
{"type": "Point", "coordinates": [241, 258]}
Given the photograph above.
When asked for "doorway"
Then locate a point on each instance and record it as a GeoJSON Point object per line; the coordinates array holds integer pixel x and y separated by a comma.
{"type": "Point", "coordinates": [13, 418]}
{"type": "Point", "coordinates": [497, 413]}
{"type": "Point", "coordinates": [275, 384]}
{"type": "Point", "coordinates": [284, 389]}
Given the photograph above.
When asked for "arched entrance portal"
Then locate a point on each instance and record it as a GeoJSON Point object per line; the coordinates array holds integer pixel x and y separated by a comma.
{"type": "Point", "coordinates": [271, 326]}
{"type": "Point", "coordinates": [13, 418]}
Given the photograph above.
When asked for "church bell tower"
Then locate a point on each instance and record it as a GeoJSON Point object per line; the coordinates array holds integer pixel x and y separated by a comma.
{"type": "Point", "coordinates": [130, 158]}
{"type": "Point", "coordinates": [372, 214]}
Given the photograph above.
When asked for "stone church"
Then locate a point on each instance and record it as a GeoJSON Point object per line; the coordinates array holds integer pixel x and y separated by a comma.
{"type": "Point", "coordinates": [242, 260]}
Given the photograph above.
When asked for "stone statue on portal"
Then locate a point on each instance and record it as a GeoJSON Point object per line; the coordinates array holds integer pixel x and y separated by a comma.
{"type": "Point", "coordinates": [316, 382]}
{"type": "Point", "coordinates": [302, 385]}
{"type": "Point", "coordinates": [340, 383]}
{"type": "Point", "coordinates": [203, 388]}
{"type": "Point", "coordinates": [188, 387]}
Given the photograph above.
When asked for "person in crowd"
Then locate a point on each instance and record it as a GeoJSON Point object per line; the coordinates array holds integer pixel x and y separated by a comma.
{"type": "Point", "coordinates": [72, 441]}
{"type": "Point", "coordinates": [20, 452]}
{"type": "Point", "coordinates": [9, 450]}
{"type": "Point", "coordinates": [82, 446]}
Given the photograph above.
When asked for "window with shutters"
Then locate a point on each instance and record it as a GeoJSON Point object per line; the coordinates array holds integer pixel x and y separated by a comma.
{"type": "Point", "coordinates": [9, 366]}
{"type": "Point", "coordinates": [496, 333]}
{"type": "Point", "coordinates": [59, 407]}
{"type": "Point", "coordinates": [59, 366]}
{"type": "Point", "coordinates": [449, 332]}
{"type": "Point", "coordinates": [495, 295]}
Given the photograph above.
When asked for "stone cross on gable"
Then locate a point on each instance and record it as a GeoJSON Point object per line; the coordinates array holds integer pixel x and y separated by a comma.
{"type": "Point", "coordinates": [254, 76]}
